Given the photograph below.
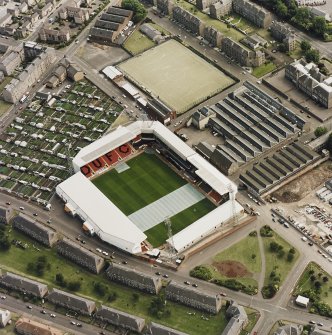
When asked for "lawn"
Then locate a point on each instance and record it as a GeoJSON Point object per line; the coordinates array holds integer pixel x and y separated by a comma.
{"type": "Point", "coordinates": [241, 252]}
{"type": "Point", "coordinates": [137, 43]}
{"type": "Point", "coordinates": [16, 260]}
{"type": "Point", "coordinates": [262, 70]}
{"type": "Point", "coordinates": [220, 26]}
{"type": "Point", "coordinates": [159, 28]}
{"type": "Point", "coordinates": [158, 234]}
{"type": "Point", "coordinates": [305, 283]}
{"type": "Point", "coordinates": [273, 262]}
{"type": "Point", "coordinates": [4, 107]}
{"type": "Point", "coordinates": [176, 75]}
{"type": "Point", "coordinates": [147, 180]}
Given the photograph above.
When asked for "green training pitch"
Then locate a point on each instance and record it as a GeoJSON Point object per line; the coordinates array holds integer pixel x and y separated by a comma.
{"type": "Point", "coordinates": [157, 235]}
{"type": "Point", "coordinates": [147, 180]}
{"type": "Point", "coordinates": [176, 75]}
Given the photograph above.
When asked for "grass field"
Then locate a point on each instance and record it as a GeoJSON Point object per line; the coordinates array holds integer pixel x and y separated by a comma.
{"type": "Point", "coordinates": [241, 252]}
{"type": "Point", "coordinates": [262, 70]}
{"type": "Point", "coordinates": [176, 75]}
{"type": "Point", "coordinates": [305, 283]}
{"type": "Point", "coordinates": [16, 260]}
{"type": "Point", "coordinates": [137, 43]}
{"type": "Point", "coordinates": [147, 180]}
{"type": "Point", "coordinates": [158, 234]}
{"type": "Point", "coordinates": [272, 261]}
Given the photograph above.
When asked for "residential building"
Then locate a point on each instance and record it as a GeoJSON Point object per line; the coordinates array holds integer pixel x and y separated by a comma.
{"type": "Point", "coordinates": [6, 20]}
{"type": "Point", "coordinates": [11, 59]}
{"type": "Point", "coordinates": [238, 319]}
{"type": "Point", "coordinates": [5, 316]}
{"type": "Point", "coordinates": [221, 8]}
{"type": "Point", "coordinates": [241, 54]}
{"type": "Point", "coordinates": [71, 301]}
{"type": "Point", "coordinates": [159, 111]}
{"type": "Point", "coordinates": [54, 36]}
{"type": "Point", "coordinates": [35, 229]}
{"type": "Point", "coordinates": [134, 278]}
{"type": "Point", "coordinates": [22, 284]}
{"type": "Point", "coordinates": [110, 25]}
{"type": "Point", "coordinates": [13, 11]}
{"type": "Point", "coordinates": [34, 18]}
{"type": "Point", "coordinates": [80, 255]}
{"type": "Point", "coordinates": [253, 13]}
{"type": "Point", "coordinates": [120, 319]}
{"type": "Point", "coordinates": [289, 329]}
{"type": "Point", "coordinates": [157, 329]}
{"type": "Point", "coordinates": [308, 79]}
{"type": "Point", "coordinates": [74, 72]}
{"type": "Point", "coordinates": [190, 21]}
{"type": "Point", "coordinates": [165, 6]}
{"type": "Point", "coordinates": [36, 68]}
{"type": "Point", "coordinates": [78, 14]}
{"type": "Point", "coordinates": [213, 36]}
{"type": "Point", "coordinates": [204, 4]}
{"type": "Point", "coordinates": [25, 326]}
{"type": "Point", "coordinates": [284, 34]}
{"type": "Point", "coordinates": [23, 7]}
{"type": "Point", "coordinates": [254, 42]}
{"type": "Point", "coordinates": [193, 297]}
{"type": "Point", "coordinates": [3, 215]}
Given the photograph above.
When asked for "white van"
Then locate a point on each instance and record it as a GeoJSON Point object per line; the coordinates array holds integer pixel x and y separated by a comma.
{"type": "Point", "coordinates": [304, 239]}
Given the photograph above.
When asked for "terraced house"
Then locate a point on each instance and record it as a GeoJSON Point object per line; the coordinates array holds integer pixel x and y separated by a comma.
{"type": "Point", "coordinates": [157, 329]}
{"type": "Point", "coordinates": [80, 255]}
{"type": "Point", "coordinates": [192, 297]}
{"type": "Point", "coordinates": [120, 319]}
{"type": "Point", "coordinates": [134, 278]}
{"type": "Point", "coordinates": [22, 284]}
{"type": "Point", "coordinates": [71, 301]}
{"type": "Point", "coordinates": [35, 229]}
{"type": "Point", "coordinates": [188, 20]}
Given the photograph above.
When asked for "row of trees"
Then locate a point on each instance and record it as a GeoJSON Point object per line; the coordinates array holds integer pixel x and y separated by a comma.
{"type": "Point", "coordinates": [39, 267]}
{"type": "Point", "coordinates": [279, 250]}
{"type": "Point", "coordinates": [312, 55]}
{"type": "Point", "coordinates": [4, 238]}
{"type": "Point", "coordinates": [300, 16]}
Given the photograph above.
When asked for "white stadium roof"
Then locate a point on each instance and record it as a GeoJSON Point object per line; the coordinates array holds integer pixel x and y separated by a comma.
{"type": "Point", "coordinates": [204, 226]}
{"type": "Point", "coordinates": [93, 206]}
{"type": "Point", "coordinates": [112, 72]}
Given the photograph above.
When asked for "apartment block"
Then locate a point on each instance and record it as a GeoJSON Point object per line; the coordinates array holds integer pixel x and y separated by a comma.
{"type": "Point", "coordinates": [11, 60]}
{"type": "Point", "coordinates": [213, 36]}
{"type": "Point", "coordinates": [309, 80]}
{"type": "Point", "coordinates": [283, 34]}
{"type": "Point", "coordinates": [204, 4]}
{"type": "Point", "coordinates": [220, 8]}
{"type": "Point", "coordinates": [252, 12]}
{"type": "Point", "coordinates": [241, 54]}
{"type": "Point", "coordinates": [24, 81]}
{"type": "Point", "coordinates": [188, 20]}
{"type": "Point", "coordinates": [54, 36]}
{"type": "Point", "coordinates": [165, 6]}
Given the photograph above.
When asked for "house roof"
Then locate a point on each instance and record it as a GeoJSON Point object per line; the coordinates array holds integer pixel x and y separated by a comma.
{"type": "Point", "coordinates": [28, 326]}
{"type": "Point", "coordinates": [157, 329]}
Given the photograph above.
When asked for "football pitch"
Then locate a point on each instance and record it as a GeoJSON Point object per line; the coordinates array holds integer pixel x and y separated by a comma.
{"type": "Point", "coordinates": [147, 180]}
{"type": "Point", "coordinates": [176, 75]}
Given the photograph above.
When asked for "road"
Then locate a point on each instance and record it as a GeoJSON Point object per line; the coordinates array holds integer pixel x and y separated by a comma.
{"type": "Point", "coordinates": [61, 322]}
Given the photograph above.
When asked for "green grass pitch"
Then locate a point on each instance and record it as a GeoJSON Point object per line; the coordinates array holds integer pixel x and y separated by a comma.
{"type": "Point", "coordinates": [157, 235]}
{"type": "Point", "coordinates": [147, 180]}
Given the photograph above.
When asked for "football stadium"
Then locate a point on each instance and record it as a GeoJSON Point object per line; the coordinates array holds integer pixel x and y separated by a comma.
{"type": "Point", "coordinates": [132, 180]}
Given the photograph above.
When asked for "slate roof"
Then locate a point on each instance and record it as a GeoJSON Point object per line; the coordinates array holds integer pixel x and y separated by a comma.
{"type": "Point", "coordinates": [157, 329]}
{"type": "Point", "coordinates": [71, 301]}
{"type": "Point", "coordinates": [28, 327]}
{"type": "Point", "coordinates": [35, 229]}
{"type": "Point", "coordinates": [134, 278]}
{"type": "Point", "coordinates": [23, 284]}
{"type": "Point", "coordinates": [119, 318]}
{"type": "Point", "coordinates": [80, 255]}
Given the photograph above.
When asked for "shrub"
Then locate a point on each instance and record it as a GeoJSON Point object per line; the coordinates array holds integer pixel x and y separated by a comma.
{"type": "Point", "coordinates": [201, 272]}
{"type": "Point", "coordinates": [253, 233]}
{"type": "Point", "coordinates": [269, 291]}
{"type": "Point", "coordinates": [266, 231]}
{"type": "Point", "coordinates": [74, 286]}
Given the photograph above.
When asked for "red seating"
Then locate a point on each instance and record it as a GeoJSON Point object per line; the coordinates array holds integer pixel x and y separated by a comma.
{"type": "Point", "coordinates": [215, 195]}
{"type": "Point", "coordinates": [124, 150]}
{"type": "Point", "coordinates": [86, 170]}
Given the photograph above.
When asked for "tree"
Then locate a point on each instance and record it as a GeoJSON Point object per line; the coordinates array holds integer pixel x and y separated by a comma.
{"type": "Point", "coordinates": [253, 256]}
{"type": "Point", "coordinates": [302, 18]}
{"type": "Point", "coordinates": [305, 45]}
{"type": "Point", "coordinates": [292, 250]}
{"type": "Point", "coordinates": [290, 257]}
{"type": "Point", "coordinates": [281, 10]}
{"type": "Point", "coordinates": [312, 277]}
{"type": "Point", "coordinates": [325, 279]}
{"type": "Point", "coordinates": [158, 308]}
{"type": "Point", "coordinates": [100, 288]}
{"type": "Point", "coordinates": [74, 286]}
{"type": "Point", "coordinates": [60, 280]}
{"type": "Point", "coordinates": [312, 55]}
{"type": "Point", "coordinates": [319, 25]}
{"type": "Point", "coordinates": [320, 131]}
{"type": "Point", "coordinates": [138, 9]}
{"type": "Point", "coordinates": [201, 272]}
{"type": "Point", "coordinates": [135, 297]}
{"type": "Point", "coordinates": [318, 285]}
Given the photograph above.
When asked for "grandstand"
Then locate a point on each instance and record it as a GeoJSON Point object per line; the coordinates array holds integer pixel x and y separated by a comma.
{"type": "Point", "coordinates": [117, 163]}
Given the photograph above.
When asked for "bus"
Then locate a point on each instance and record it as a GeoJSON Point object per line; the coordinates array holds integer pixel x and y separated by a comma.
{"type": "Point", "coordinates": [23, 99]}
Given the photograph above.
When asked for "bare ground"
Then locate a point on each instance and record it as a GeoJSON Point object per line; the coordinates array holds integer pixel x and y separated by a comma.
{"type": "Point", "coordinates": [232, 269]}
{"type": "Point", "coordinates": [302, 186]}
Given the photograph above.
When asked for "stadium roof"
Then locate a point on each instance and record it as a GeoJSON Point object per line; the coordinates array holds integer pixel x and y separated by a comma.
{"type": "Point", "coordinates": [98, 210]}
{"type": "Point", "coordinates": [204, 226]}
{"type": "Point", "coordinates": [112, 72]}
